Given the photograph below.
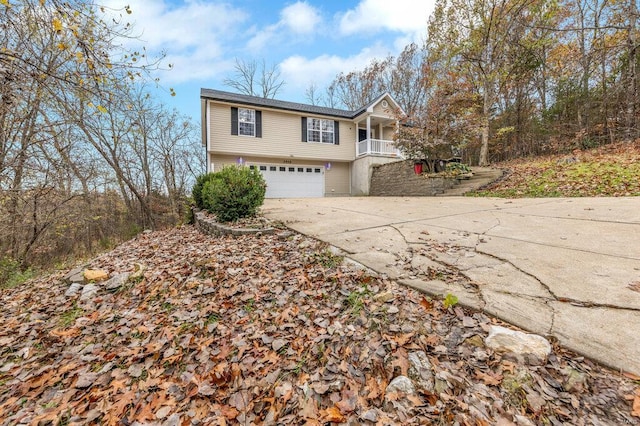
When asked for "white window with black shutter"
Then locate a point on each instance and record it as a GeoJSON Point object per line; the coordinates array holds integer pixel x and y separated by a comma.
{"type": "Point", "coordinates": [320, 130]}
{"type": "Point", "coordinates": [246, 122]}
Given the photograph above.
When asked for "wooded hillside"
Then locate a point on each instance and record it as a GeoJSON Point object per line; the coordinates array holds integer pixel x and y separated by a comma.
{"type": "Point", "coordinates": [502, 79]}
{"type": "Point", "coordinates": [87, 157]}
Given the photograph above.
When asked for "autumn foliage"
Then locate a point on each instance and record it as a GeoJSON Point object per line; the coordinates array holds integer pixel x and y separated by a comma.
{"type": "Point", "coordinates": [269, 330]}
{"type": "Point", "coordinates": [611, 170]}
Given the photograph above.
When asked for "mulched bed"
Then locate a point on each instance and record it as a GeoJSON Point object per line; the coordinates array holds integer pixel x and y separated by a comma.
{"type": "Point", "coordinates": [272, 329]}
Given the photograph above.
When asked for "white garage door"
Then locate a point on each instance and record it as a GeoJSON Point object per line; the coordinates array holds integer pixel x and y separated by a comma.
{"type": "Point", "coordinates": [292, 181]}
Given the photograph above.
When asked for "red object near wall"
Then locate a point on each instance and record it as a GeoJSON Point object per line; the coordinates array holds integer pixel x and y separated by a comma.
{"type": "Point", "coordinates": [417, 168]}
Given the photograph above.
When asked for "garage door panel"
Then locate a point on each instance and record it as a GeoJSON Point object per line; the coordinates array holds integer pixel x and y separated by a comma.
{"type": "Point", "coordinates": [292, 181]}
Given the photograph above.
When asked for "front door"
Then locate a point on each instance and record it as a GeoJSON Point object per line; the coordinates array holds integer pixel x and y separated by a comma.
{"type": "Point", "coordinates": [362, 134]}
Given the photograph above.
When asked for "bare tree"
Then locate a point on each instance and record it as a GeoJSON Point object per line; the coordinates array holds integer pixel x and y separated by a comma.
{"type": "Point", "coordinates": [255, 79]}
{"type": "Point", "coordinates": [77, 164]}
{"type": "Point", "coordinates": [311, 94]}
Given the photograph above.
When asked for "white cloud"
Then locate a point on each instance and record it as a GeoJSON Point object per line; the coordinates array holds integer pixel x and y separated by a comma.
{"type": "Point", "coordinates": [192, 35]}
{"type": "Point", "coordinates": [296, 20]}
{"type": "Point", "coordinates": [260, 40]}
{"type": "Point", "coordinates": [300, 18]}
{"type": "Point", "coordinates": [371, 16]}
{"type": "Point", "coordinates": [300, 72]}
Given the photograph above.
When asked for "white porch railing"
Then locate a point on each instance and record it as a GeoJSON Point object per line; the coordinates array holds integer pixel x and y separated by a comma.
{"type": "Point", "coordinates": [378, 147]}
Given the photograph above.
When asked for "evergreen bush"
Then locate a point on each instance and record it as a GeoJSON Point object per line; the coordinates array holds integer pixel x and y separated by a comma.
{"type": "Point", "coordinates": [233, 193]}
{"type": "Point", "coordinates": [196, 192]}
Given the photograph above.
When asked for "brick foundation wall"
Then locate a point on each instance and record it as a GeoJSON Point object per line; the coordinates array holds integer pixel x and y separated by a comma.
{"type": "Point", "coordinates": [398, 179]}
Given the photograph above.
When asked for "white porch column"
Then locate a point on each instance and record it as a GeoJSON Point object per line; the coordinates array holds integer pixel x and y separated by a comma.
{"type": "Point", "coordinates": [369, 134]}
{"type": "Point", "coordinates": [357, 137]}
{"type": "Point", "coordinates": [397, 132]}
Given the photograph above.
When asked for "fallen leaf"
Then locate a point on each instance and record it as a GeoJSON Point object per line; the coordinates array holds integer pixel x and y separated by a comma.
{"type": "Point", "coordinates": [228, 412]}
{"type": "Point", "coordinates": [332, 414]}
{"type": "Point", "coordinates": [635, 409]}
{"type": "Point", "coordinates": [71, 332]}
{"type": "Point", "coordinates": [425, 303]}
{"type": "Point", "coordinates": [489, 378]}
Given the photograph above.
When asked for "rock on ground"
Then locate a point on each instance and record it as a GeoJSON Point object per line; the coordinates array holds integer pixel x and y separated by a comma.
{"type": "Point", "coordinates": [502, 339]}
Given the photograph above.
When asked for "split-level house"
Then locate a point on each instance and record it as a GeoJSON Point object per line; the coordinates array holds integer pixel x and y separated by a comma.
{"type": "Point", "coordinates": [301, 150]}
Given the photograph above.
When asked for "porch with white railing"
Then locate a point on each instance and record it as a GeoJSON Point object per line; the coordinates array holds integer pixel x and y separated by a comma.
{"type": "Point", "coordinates": [378, 147]}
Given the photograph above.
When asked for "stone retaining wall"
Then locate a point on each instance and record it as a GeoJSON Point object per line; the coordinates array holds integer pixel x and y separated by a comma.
{"type": "Point", "coordinates": [208, 226]}
{"type": "Point", "coordinates": [398, 179]}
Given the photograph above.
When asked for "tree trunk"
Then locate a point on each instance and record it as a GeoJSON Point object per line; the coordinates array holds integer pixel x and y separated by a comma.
{"type": "Point", "coordinates": [632, 79]}
{"type": "Point", "coordinates": [486, 109]}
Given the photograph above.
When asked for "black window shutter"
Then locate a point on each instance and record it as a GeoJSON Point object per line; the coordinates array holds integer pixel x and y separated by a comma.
{"type": "Point", "coordinates": [234, 120]}
{"type": "Point", "coordinates": [304, 129]}
{"type": "Point", "coordinates": [336, 132]}
{"type": "Point", "coordinates": [258, 124]}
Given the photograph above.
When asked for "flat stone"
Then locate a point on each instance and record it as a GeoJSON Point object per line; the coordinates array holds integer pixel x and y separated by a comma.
{"type": "Point", "coordinates": [135, 370]}
{"type": "Point", "coordinates": [284, 235]}
{"type": "Point", "coordinates": [370, 415]}
{"type": "Point", "coordinates": [86, 380]}
{"type": "Point", "coordinates": [385, 296]}
{"type": "Point", "coordinates": [401, 384]}
{"type": "Point", "coordinates": [117, 281]}
{"type": "Point", "coordinates": [75, 276]}
{"type": "Point", "coordinates": [502, 339]}
{"type": "Point", "coordinates": [172, 420]}
{"type": "Point", "coordinates": [420, 370]}
{"type": "Point", "coordinates": [469, 322]}
{"type": "Point", "coordinates": [89, 291]}
{"type": "Point", "coordinates": [95, 275]}
{"type": "Point", "coordinates": [278, 344]}
{"type": "Point", "coordinates": [73, 290]}
{"type": "Point", "coordinates": [138, 270]}
{"type": "Point", "coordinates": [163, 412]}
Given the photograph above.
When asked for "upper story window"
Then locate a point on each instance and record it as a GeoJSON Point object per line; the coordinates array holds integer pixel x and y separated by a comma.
{"type": "Point", "coordinates": [320, 130]}
{"type": "Point", "coordinates": [246, 122]}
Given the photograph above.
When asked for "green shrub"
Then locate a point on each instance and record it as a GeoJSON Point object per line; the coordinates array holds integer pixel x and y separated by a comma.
{"type": "Point", "coordinates": [458, 168]}
{"type": "Point", "coordinates": [234, 192]}
{"type": "Point", "coordinates": [197, 188]}
{"type": "Point", "coordinates": [11, 275]}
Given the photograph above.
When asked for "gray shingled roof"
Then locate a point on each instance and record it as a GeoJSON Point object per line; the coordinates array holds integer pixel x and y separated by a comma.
{"type": "Point", "coordinates": [220, 95]}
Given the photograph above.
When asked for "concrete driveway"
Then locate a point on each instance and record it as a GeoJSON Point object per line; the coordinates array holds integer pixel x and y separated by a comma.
{"type": "Point", "coordinates": [562, 267]}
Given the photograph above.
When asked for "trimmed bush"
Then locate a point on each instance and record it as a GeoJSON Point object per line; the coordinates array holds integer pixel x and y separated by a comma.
{"type": "Point", "coordinates": [233, 193]}
{"type": "Point", "coordinates": [197, 188]}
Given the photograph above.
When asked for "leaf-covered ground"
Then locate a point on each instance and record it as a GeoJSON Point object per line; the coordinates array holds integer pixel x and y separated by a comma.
{"type": "Point", "coordinates": [611, 170]}
{"type": "Point", "coordinates": [272, 329]}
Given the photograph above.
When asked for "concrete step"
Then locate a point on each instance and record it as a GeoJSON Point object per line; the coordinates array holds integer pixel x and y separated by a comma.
{"type": "Point", "coordinates": [481, 176]}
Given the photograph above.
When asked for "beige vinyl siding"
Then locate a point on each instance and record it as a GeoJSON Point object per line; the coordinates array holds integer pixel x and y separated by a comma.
{"type": "Point", "coordinates": [337, 180]}
{"type": "Point", "coordinates": [281, 137]}
{"type": "Point", "coordinates": [378, 109]}
{"type": "Point", "coordinates": [220, 160]}
{"type": "Point", "coordinates": [388, 133]}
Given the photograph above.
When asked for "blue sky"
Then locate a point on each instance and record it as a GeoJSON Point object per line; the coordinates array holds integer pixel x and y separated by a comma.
{"type": "Point", "coordinates": [311, 41]}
